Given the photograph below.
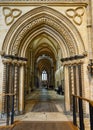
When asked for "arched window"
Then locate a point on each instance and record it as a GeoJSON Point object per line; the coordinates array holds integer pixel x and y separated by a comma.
{"type": "Point", "coordinates": [44, 75]}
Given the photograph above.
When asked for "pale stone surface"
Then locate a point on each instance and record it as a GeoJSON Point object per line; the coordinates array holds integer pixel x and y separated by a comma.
{"type": "Point", "coordinates": [83, 31]}
{"type": "Point", "coordinates": [34, 98]}
{"type": "Point", "coordinates": [42, 116]}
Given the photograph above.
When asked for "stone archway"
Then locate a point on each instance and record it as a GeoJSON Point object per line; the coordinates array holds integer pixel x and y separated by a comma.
{"type": "Point", "coordinates": [55, 21]}
{"type": "Point", "coordinates": [50, 22]}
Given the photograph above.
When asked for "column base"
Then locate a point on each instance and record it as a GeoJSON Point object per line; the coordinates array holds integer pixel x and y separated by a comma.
{"type": "Point", "coordinates": [21, 112]}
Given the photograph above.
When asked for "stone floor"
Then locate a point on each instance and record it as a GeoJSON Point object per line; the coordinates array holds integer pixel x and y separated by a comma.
{"type": "Point", "coordinates": [45, 105]}
{"type": "Point", "coordinates": [44, 95]}
{"type": "Point", "coordinates": [41, 125]}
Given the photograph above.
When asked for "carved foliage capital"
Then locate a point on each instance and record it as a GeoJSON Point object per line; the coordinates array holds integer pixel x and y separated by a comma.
{"type": "Point", "coordinates": [71, 63]}
{"type": "Point", "coordinates": [6, 61]}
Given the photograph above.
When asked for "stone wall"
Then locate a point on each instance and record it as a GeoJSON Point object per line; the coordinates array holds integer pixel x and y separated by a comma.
{"type": "Point", "coordinates": [77, 13]}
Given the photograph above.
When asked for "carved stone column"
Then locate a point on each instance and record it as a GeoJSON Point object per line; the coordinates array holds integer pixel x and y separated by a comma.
{"type": "Point", "coordinates": [90, 28]}
{"type": "Point", "coordinates": [66, 84]}
{"type": "Point", "coordinates": [72, 80]}
{"type": "Point", "coordinates": [21, 87]}
{"type": "Point", "coordinates": [80, 79]}
{"type": "Point", "coordinates": [31, 70]}
{"type": "Point", "coordinates": [16, 86]}
{"type": "Point", "coordinates": [75, 79]}
{"type": "Point", "coordinates": [86, 87]}
{"type": "Point", "coordinates": [70, 84]}
{"type": "Point", "coordinates": [4, 86]}
{"type": "Point", "coordinates": [7, 88]}
{"type": "Point", "coordinates": [6, 82]}
{"type": "Point", "coordinates": [52, 76]}
{"type": "Point", "coordinates": [12, 73]}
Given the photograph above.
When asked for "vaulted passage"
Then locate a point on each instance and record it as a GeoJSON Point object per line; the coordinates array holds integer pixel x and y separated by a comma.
{"type": "Point", "coordinates": [41, 47]}
{"type": "Point", "coordinates": [43, 66]}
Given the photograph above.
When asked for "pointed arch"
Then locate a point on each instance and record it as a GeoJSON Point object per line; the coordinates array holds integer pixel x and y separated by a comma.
{"type": "Point", "coordinates": [48, 21]}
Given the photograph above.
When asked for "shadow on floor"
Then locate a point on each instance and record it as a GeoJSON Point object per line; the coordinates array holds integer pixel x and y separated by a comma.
{"type": "Point", "coordinates": [41, 125]}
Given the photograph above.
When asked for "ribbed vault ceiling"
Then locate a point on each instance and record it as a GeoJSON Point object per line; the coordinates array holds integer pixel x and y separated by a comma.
{"type": "Point", "coordinates": [45, 49]}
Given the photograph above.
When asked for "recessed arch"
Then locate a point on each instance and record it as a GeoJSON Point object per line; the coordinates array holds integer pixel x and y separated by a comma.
{"type": "Point", "coordinates": [46, 51]}
{"type": "Point", "coordinates": [42, 16]}
{"type": "Point", "coordinates": [58, 29]}
{"type": "Point", "coordinates": [50, 33]}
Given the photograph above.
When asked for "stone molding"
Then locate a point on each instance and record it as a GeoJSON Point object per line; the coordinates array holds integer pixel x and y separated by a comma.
{"type": "Point", "coordinates": [71, 63]}
{"type": "Point", "coordinates": [28, 21]}
{"type": "Point", "coordinates": [14, 62]}
{"type": "Point", "coordinates": [48, 2]}
{"type": "Point", "coordinates": [49, 22]}
{"type": "Point", "coordinates": [76, 15]}
{"type": "Point", "coordinates": [7, 61]}
{"type": "Point", "coordinates": [11, 14]}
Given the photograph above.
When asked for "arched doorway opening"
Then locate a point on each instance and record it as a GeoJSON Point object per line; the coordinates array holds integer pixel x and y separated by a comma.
{"type": "Point", "coordinates": [44, 36]}
{"type": "Point", "coordinates": [44, 55]}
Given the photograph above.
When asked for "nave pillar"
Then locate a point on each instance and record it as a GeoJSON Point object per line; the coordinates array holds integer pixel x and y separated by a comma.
{"type": "Point", "coordinates": [13, 82]}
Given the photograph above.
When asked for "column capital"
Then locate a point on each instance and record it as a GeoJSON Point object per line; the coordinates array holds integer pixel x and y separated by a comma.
{"type": "Point", "coordinates": [74, 62]}
{"type": "Point", "coordinates": [22, 63]}
{"type": "Point", "coordinates": [14, 62]}
{"type": "Point", "coordinates": [7, 61]}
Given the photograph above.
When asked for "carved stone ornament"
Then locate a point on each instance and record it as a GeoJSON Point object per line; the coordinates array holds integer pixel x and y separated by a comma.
{"type": "Point", "coordinates": [48, 22]}
{"type": "Point", "coordinates": [19, 34]}
{"type": "Point", "coordinates": [48, 0]}
{"type": "Point", "coordinates": [75, 62]}
{"type": "Point", "coordinates": [10, 14]}
{"type": "Point", "coordinates": [6, 61]}
{"type": "Point", "coordinates": [76, 14]}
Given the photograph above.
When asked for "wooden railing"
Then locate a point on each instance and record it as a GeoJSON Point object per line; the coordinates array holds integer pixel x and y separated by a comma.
{"type": "Point", "coordinates": [78, 104]}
